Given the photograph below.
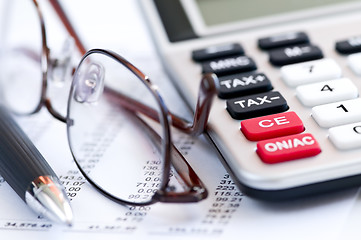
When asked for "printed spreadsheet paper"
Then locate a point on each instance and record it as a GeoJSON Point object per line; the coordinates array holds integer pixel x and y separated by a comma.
{"type": "Point", "coordinates": [226, 214]}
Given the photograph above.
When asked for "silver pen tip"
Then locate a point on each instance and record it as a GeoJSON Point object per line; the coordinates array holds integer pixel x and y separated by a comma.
{"type": "Point", "coordinates": [47, 197]}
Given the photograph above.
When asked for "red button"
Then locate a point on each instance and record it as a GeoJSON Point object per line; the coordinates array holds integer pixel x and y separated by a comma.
{"type": "Point", "coordinates": [272, 126]}
{"type": "Point", "coordinates": [288, 148]}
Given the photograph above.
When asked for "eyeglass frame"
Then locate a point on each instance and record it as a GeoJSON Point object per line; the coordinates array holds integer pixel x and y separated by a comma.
{"type": "Point", "coordinates": [197, 190]}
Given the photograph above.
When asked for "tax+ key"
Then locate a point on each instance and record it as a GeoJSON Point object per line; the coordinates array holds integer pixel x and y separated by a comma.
{"type": "Point", "coordinates": [241, 84]}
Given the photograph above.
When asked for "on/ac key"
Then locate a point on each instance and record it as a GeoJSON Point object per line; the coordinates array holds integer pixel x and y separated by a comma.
{"type": "Point", "coordinates": [288, 148]}
{"type": "Point", "coordinates": [256, 105]}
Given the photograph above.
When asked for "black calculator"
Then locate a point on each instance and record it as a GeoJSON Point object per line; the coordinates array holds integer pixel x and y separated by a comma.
{"type": "Point", "coordinates": [287, 118]}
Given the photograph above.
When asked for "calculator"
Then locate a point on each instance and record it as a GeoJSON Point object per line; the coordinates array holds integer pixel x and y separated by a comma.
{"type": "Point", "coordinates": [287, 117]}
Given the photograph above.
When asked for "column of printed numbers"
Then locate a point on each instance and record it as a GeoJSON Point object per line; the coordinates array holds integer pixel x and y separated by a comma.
{"type": "Point", "coordinates": [150, 183]}
{"type": "Point", "coordinates": [72, 182]}
{"type": "Point", "coordinates": [227, 201]}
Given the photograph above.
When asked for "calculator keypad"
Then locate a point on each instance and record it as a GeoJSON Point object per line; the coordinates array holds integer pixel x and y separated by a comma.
{"type": "Point", "coordinates": [318, 84]}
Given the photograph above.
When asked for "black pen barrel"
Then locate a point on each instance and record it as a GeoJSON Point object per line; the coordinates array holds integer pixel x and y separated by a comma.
{"type": "Point", "coordinates": [20, 161]}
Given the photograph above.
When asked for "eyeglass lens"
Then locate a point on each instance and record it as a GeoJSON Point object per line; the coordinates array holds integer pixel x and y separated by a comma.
{"type": "Point", "coordinates": [112, 145]}
{"type": "Point", "coordinates": [20, 57]}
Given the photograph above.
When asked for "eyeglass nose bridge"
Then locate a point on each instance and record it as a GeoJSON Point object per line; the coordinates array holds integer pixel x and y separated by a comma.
{"type": "Point", "coordinates": [60, 65]}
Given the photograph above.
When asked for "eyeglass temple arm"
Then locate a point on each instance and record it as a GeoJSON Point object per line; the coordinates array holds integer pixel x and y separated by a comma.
{"type": "Point", "coordinates": [69, 27]}
{"type": "Point", "coordinates": [206, 93]}
{"type": "Point", "coordinates": [194, 189]}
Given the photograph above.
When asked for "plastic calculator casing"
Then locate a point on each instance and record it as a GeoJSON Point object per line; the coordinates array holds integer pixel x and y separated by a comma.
{"type": "Point", "coordinates": [332, 169]}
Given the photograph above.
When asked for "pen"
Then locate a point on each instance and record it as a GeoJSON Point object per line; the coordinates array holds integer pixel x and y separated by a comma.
{"type": "Point", "coordinates": [27, 172]}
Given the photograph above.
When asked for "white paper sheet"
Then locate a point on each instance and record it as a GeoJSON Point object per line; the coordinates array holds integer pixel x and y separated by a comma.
{"type": "Point", "coordinates": [226, 214]}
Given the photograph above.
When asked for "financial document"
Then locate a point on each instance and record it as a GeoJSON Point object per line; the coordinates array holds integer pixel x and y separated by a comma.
{"type": "Point", "coordinates": [225, 214]}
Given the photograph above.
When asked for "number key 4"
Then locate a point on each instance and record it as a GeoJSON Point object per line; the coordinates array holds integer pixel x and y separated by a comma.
{"type": "Point", "coordinates": [326, 92]}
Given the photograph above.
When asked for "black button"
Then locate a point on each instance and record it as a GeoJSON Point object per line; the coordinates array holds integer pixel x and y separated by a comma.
{"type": "Point", "coordinates": [283, 40]}
{"type": "Point", "coordinates": [256, 105]}
{"type": "Point", "coordinates": [349, 46]}
{"type": "Point", "coordinates": [218, 51]}
{"type": "Point", "coordinates": [243, 84]}
{"type": "Point", "coordinates": [294, 54]}
{"type": "Point", "coordinates": [224, 66]}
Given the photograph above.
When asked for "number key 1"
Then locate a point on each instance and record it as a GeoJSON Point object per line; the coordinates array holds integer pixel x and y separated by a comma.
{"type": "Point", "coordinates": [339, 113]}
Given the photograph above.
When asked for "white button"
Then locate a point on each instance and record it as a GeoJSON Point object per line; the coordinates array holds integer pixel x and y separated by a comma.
{"type": "Point", "coordinates": [326, 92]}
{"type": "Point", "coordinates": [339, 113]}
{"type": "Point", "coordinates": [346, 136]}
{"type": "Point", "coordinates": [354, 61]}
{"type": "Point", "coordinates": [310, 72]}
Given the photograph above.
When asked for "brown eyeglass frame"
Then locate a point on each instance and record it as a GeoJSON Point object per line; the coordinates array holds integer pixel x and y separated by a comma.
{"type": "Point", "coordinates": [196, 189]}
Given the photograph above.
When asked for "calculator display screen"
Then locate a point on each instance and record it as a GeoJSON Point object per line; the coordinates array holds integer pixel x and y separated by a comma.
{"type": "Point", "coordinates": [215, 12]}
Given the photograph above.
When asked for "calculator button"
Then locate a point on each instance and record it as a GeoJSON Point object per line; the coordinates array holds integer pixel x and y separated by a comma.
{"type": "Point", "coordinates": [217, 51]}
{"type": "Point", "coordinates": [256, 105]}
{"type": "Point", "coordinates": [310, 72]}
{"type": "Point", "coordinates": [339, 113]}
{"type": "Point", "coordinates": [224, 66]}
{"type": "Point", "coordinates": [354, 61]}
{"type": "Point", "coordinates": [288, 148]}
{"type": "Point", "coordinates": [294, 54]}
{"type": "Point", "coordinates": [351, 45]}
{"type": "Point", "coordinates": [243, 84]}
{"type": "Point", "coordinates": [272, 126]}
{"type": "Point", "coordinates": [326, 92]}
{"type": "Point", "coordinates": [346, 136]}
{"type": "Point", "coordinates": [282, 40]}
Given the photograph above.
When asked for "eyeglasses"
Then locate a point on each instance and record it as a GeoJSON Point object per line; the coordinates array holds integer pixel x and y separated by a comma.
{"type": "Point", "coordinates": [118, 125]}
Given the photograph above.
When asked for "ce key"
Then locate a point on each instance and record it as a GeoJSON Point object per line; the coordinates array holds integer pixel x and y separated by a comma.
{"type": "Point", "coordinates": [272, 126]}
